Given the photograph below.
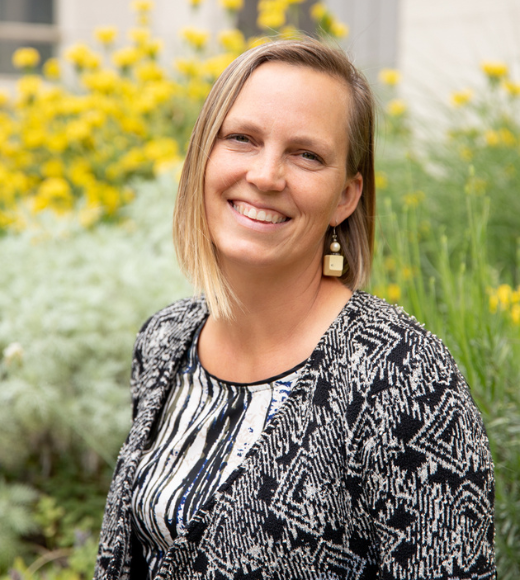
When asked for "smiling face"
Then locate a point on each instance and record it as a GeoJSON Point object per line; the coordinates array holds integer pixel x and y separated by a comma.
{"type": "Point", "coordinates": [276, 177]}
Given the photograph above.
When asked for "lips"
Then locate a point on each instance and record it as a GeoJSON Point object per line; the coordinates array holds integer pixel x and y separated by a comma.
{"type": "Point", "coordinates": [259, 215]}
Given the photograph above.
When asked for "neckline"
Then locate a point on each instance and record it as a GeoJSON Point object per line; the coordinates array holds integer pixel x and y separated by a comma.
{"type": "Point", "coordinates": [195, 361]}
{"type": "Point", "coordinates": [193, 352]}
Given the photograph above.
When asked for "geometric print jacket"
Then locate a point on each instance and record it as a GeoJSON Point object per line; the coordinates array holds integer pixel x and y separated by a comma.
{"type": "Point", "coordinates": [377, 466]}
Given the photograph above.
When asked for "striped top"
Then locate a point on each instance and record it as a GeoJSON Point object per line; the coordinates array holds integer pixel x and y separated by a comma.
{"type": "Point", "coordinates": [206, 428]}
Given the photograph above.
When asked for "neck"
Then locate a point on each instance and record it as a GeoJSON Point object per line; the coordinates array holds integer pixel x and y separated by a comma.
{"type": "Point", "coordinates": [280, 319]}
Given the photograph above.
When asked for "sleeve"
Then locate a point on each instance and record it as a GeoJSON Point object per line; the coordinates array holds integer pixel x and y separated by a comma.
{"type": "Point", "coordinates": [429, 477]}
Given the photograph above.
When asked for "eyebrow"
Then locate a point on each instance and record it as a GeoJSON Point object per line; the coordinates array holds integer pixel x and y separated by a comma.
{"type": "Point", "coordinates": [305, 141]}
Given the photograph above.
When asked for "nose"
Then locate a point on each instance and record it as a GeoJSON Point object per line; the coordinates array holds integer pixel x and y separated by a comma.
{"type": "Point", "coordinates": [267, 172]}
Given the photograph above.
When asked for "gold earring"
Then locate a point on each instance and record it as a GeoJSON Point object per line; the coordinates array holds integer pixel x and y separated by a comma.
{"type": "Point", "coordinates": [333, 263]}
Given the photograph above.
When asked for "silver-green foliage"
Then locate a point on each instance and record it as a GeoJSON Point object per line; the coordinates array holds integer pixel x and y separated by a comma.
{"type": "Point", "coordinates": [71, 302]}
{"type": "Point", "coordinates": [15, 519]}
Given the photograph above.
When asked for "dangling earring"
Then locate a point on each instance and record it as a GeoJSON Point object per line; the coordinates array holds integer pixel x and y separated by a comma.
{"type": "Point", "coordinates": [333, 263]}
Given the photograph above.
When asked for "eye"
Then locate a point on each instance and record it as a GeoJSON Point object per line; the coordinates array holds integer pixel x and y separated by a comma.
{"type": "Point", "coordinates": [311, 156]}
{"type": "Point", "coordinates": [240, 138]}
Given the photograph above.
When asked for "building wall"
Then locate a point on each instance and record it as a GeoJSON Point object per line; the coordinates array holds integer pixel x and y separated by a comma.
{"type": "Point", "coordinates": [442, 43]}
{"type": "Point", "coordinates": [374, 29]}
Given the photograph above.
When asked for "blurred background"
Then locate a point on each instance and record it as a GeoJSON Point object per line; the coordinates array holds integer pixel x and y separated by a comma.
{"type": "Point", "coordinates": [97, 102]}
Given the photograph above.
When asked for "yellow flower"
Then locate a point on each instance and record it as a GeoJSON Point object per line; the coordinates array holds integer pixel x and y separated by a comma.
{"type": "Point", "coordinates": [162, 149]}
{"type": "Point", "coordinates": [493, 303]}
{"type": "Point", "coordinates": [512, 88]}
{"type": "Point", "coordinates": [271, 14]}
{"type": "Point", "coordinates": [389, 76]}
{"type": "Point", "coordinates": [26, 58]}
{"type": "Point", "coordinates": [142, 5]}
{"type": "Point", "coordinates": [195, 3]}
{"type": "Point", "coordinates": [232, 5]}
{"type": "Point", "coordinates": [396, 107]}
{"type": "Point", "coordinates": [80, 174]}
{"type": "Point", "coordinates": [57, 143]}
{"type": "Point", "coordinates": [139, 35]}
{"type": "Point", "coordinates": [198, 90]}
{"type": "Point", "coordinates": [29, 86]}
{"type": "Point", "coordinates": [190, 67]}
{"type": "Point", "coordinates": [126, 57]}
{"type": "Point", "coordinates": [504, 294]}
{"type": "Point", "coordinates": [82, 57]}
{"type": "Point", "coordinates": [53, 168]}
{"type": "Point", "coordinates": [414, 199]}
{"type": "Point", "coordinates": [134, 125]}
{"type": "Point", "coordinates": [4, 98]}
{"type": "Point", "coordinates": [494, 70]}
{"type": "Point", "coordinates": [102, 81]}
{"type": "Point", "coordinates": [507, 138]}
{"type": "Point", "coordinates": [51, 69]}
{"type": "Point", "coordinates": [394, 293]}
{"type": "Point", "coordinates": [338, 29]}
{"type": "Point", "coordinates": [195, 37]}
{"type": "Point", "coordinates": [153, 47]}
{"type": "Point", "coordinates": [232, 40]}
{"type": "Point", "coordinates": [381, 180]}
{"type": "Point", "coordinates": [492, 138]}
{"type": "Point", "coordinates": [149, 71]}
{"type": "Point", "coordinates": [515, 313]}
{"type": "Point", "coordinates": [105, 34]}
{"type": "Point", "coordinates": [78, 131]}
{"type": "Point", "coordinates": [466, 153]}
{"type": "Point", "coordinates": [461, 98]}
{"type": "Point", "coordinates": [215, 65]}
{"type": "Point", "coordinates": [318, 11]}
{"type": "Point", "coordinates": [54, 193]}
{"type": "Point", "coordinates": [110, 198]}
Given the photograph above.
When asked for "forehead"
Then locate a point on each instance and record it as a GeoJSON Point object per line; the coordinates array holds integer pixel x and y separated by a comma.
{"type": "Point", "coordinates": [279, 77]}
{"type": "Point", "coordinates": [297, 94]}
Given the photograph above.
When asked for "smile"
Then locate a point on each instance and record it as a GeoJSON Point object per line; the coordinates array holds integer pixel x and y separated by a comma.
{"type": "Point", "coordinates": [262, 215]}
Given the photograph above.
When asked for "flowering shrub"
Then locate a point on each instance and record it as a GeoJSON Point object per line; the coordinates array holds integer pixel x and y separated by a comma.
{"type": "Point", "coordinates": [75, 152]}
{"type": "Point", "coordinates": [73, 294]}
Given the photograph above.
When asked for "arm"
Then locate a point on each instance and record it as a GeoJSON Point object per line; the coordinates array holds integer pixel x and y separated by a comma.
{"type": "Point", "coordinates": [429, 476]}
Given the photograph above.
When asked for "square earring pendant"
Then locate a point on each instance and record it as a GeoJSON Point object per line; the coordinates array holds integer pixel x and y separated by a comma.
{"type": "Point", "coordinates": [333, 265]}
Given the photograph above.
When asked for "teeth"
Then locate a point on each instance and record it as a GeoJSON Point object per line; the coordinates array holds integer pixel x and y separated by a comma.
{"type": "Point", "coordinates": [261, 215]}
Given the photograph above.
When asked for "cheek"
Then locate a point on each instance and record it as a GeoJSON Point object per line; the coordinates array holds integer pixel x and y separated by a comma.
{"type": "Point", "coordinates": [222, 171]}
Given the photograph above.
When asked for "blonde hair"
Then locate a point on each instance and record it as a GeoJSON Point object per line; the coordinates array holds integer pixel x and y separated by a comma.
{"type": "Point", "coordinates": [196, 253]}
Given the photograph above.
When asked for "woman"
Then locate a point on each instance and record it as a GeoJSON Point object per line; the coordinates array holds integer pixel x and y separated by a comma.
{"type": "Point", "coordinates": [288, 425]}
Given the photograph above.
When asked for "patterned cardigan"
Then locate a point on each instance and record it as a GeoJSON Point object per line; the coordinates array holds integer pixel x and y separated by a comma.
{"type": "Point", "coordinates": [376, 466]}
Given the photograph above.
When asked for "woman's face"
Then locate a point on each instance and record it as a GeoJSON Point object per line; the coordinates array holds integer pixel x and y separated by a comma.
{"type": "Point", "coordinates": [276, 177]}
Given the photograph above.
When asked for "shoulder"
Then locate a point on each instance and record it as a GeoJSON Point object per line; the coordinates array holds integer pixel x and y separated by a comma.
{"type": "Point", "coordinates": [161, 343]}
{"type": "Point", "coordinates": [171, 324]}
{"type": "Point", "coordinates": [384, 349]}
{"type": "Point", "coordinates": [385, 331]}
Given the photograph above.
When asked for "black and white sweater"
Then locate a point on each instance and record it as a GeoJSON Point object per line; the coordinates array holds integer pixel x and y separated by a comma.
{"type": "Point", "coordinates": [376, 466]}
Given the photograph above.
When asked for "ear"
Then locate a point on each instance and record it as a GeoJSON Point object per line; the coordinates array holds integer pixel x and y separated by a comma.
{"type": "Point", "coordinates": [349, 199]}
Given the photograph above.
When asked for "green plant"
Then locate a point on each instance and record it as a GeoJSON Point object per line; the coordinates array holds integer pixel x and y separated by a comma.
{"type": "Point", "coordinates": [16, 519]}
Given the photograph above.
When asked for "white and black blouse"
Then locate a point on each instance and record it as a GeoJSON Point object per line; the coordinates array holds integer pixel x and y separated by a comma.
{"type": "Point", "coordinates": [206, 428]}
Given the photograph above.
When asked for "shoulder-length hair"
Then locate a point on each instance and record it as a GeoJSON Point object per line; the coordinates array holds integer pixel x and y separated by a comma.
{"type": "Point", "coordinates": [196, 253]}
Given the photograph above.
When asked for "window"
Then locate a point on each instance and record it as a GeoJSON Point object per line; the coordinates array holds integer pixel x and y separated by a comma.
{"type": "Point", "coordinates": [26, 23]}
